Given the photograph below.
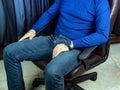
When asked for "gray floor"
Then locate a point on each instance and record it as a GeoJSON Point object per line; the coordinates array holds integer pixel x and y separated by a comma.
{"type": "Point", "coordinates": [108, 73]}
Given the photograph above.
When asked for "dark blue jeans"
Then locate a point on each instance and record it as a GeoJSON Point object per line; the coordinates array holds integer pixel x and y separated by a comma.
{"type": "Point", "coordinates": [36, 49]}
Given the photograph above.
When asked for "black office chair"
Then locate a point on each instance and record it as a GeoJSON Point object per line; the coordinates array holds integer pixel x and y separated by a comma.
{"type": "Point", "coordinates": [90, 58]}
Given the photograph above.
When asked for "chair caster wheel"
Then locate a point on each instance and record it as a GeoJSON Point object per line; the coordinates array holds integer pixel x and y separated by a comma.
{"type": "Point", "coordinates": [93, 78]}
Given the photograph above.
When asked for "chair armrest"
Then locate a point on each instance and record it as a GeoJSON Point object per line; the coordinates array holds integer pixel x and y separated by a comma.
{"type": "Point", "coordinates": [86, 53]}
{"type": "Point", "coordinates": [83, 56]}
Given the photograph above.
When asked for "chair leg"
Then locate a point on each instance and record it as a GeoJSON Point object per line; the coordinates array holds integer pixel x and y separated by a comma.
{"type": "Point", "coordinates": [76, 87]}
{"type": "Point", "coordinates": [69, 85]}
{"type": "Point", "coordinates": [72, 84]}
{"type": "Point", "coordinates": [91, 76]}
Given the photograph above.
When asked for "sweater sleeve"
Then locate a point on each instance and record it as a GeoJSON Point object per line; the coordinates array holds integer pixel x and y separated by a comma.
{"type": "Point", "coordinates": [102, 27]}
{"type": "Point", "coordinates": [47, 16]}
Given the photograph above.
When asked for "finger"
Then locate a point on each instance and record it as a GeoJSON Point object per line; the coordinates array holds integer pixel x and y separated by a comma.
{"type": "Point", "coordinates": [55, 54]}
{"type": "Point", "coordinates": [55, 51]}
{"type": "Point", "coordinates": [31, 37]}
{"type": "Point", "coordinates": [24, 37]}
{"type": "Point", "coordinates": [58, 49]}
{"type": "Point", "coordinates": [58, 52]}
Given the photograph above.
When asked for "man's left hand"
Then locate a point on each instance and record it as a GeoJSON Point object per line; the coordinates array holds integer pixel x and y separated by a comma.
{"type": "Point", "coordinates": [58, 49]}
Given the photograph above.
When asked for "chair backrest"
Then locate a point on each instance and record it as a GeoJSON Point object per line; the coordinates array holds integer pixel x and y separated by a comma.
{"type": "Point", "coordinates": [115, 7]}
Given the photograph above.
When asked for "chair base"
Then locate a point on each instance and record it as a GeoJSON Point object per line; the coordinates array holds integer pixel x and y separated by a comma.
{"type": "Point", "coordinates": [70, 84]}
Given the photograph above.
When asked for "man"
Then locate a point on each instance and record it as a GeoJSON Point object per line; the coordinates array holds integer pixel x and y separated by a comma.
{"type": "Point", "coordinates": [81, 24]}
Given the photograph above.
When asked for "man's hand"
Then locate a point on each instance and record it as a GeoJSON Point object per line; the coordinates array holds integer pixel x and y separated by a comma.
{"type": "Point", "coordinates": [58, 49]}
{"type": "Point", "coordinates": [30, 34]}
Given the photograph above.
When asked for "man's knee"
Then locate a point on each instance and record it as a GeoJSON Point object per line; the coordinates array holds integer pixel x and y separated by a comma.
{"type": "Point", "coordinates": [10, 51]}
{"type": "Point", "coordinates": [52, 73]}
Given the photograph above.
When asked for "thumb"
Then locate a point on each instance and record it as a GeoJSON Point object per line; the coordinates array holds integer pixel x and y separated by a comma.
{"type": "Point", "coordinates": [31, 37]}
{"type": "Point", "coordinates": [24, 37]}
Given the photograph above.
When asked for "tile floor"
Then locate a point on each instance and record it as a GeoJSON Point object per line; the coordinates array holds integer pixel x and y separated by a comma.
{"type": "Point", "coordinates": [108, 73]}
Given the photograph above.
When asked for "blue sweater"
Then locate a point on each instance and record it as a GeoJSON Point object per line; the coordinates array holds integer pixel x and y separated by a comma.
{"type": "Point", "coordinates": [85, 22]}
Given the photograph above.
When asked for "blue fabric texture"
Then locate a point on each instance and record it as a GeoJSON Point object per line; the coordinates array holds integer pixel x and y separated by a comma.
{"type": "Point", "coordinates": [86, 23]}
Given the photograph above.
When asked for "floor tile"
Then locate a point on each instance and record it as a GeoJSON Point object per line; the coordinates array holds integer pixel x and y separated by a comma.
{"type": "Point", "coordinates": [29, 81]}
{"type": "Point", "coordinates": [3, 85]}
{"type": "Point", "coordinates": [29, 69]}
{"type": "Point", "coordinates": [115, 49]}
{"type": "Point", "coordinates": [2, 71]}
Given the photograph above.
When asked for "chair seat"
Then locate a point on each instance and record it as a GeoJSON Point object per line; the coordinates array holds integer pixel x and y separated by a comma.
{"type": "Point", "coordinates": [76, 72]}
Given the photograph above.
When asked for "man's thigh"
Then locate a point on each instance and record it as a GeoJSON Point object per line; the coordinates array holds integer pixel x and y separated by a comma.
{"type": "Point", "coordinates": [64, 62]}
{"type": "Point", "coordinates": [37, 48]}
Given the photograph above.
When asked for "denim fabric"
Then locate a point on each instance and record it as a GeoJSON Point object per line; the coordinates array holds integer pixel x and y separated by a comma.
{"type": "Point", "coordinates": [2, 22]}
{"type": "Point", "coordinates": [36, 49]}
{"type": "Point", "coordinates": [20, 17]}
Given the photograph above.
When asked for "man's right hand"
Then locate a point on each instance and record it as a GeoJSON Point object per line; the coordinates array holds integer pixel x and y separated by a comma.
{"type": "Point", "coordinates": [30, 34]}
